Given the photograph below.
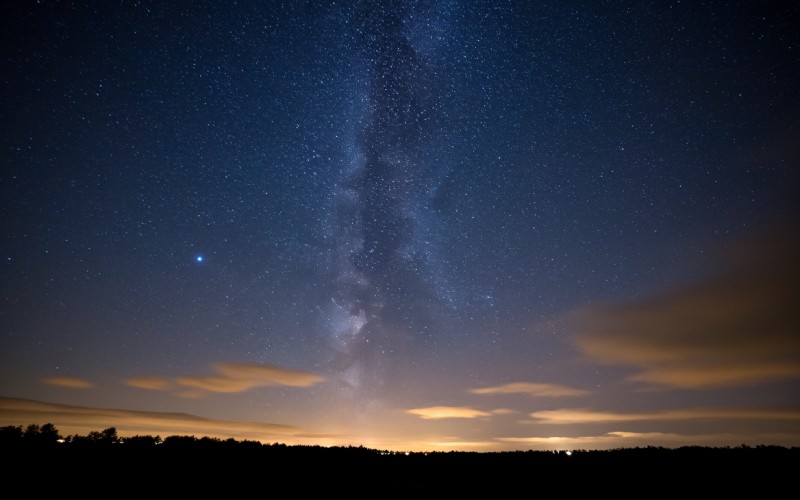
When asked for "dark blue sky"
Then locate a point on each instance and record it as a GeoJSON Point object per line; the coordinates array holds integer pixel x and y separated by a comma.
{"type": "Point", "coordinates": [393, 205]}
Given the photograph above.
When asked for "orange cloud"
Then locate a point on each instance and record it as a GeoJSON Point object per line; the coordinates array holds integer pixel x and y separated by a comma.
{"type": "Point", "coordinates": [607, 438]}
{"type": "Point", "coordinates": [270, 375]}
{"type": "Point", "coordinates": [82, 420]}
{"type": "Point", "coordinates": [739, 327]}
{"type": "Point", "coordinates": [503, 411]}
{"type": "Point", "coordinates": [531, 389]}
{"type": "Point", "coordinates": [440, 412]}
{"type": "Point", "coordinates": [241, 377]}
{"type": "Point", "coordinates": [212, 383]}
{"type": "Point", "coordinates": [619, 439]}
{"type": "Point", "coordinates": [461, 445]}
{"type": "Point", "coordinates": [148, 382]}
{"type": "Point", "coordinates": [70, 382]}
{"type": "Point", "coordinates": [582, 416]}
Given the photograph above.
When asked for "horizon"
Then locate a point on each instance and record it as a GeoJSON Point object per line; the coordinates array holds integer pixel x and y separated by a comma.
{"type": "Point", "coordinates": [412, 226]}
{"type": "Point", "coordinates": [122, 436]}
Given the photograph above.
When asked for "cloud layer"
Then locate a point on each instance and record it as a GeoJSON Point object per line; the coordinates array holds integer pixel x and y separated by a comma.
{"type": "Point", "coordinates": [70, 382]}
{"type": "Point", "coordinates": [82, 420]}
{"type": "Point", "coordinates": [240, 377]}
{"type": "Point", "coordinates": [531, 389]}
{"type": "Point", "coordinates": [442, 412]}
{"type": "Point", "coordinates": [150, 383]}
{"type": "Point", "coordinates": [740, 327]}
{"type": "Point", "coordinates": [583, 416]}
{"type": "Point", "coordinates": [231, 378]}
{"type": "Point", "coordinates": [619, 439]}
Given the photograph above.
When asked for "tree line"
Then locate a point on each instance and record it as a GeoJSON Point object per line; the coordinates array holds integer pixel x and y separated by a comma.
{"type": "Point", "coordinates": [175, 461]}
{"type": "Point", "coordinates": [48, 436]}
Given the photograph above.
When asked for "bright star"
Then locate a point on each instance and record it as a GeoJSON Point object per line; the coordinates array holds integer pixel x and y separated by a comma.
{"type": "Point", "coordinates": [199, 258]}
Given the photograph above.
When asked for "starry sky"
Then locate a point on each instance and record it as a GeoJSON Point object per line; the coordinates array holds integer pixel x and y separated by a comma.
{"type": "Point", "coordinates": [423, 225]}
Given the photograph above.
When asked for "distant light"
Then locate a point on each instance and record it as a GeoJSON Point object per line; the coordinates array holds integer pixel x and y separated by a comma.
{"type": "Point", "coordinates": [199, 258]}
{"type": "Point", "coordinates": [569, 453]}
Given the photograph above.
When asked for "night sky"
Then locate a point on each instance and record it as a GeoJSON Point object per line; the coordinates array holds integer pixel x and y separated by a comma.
{"type": "Point", "coordinates": [404, 225]}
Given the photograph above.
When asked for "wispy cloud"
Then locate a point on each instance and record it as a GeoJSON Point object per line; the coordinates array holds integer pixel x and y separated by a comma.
{"type": "Point", "coordinates": [619, 439]}
{"type": "Point", "coordinates": [82, 420]}
{"type": "Point", "coordinates": [584, 416]}
{"type": "Point", "coordinates": [268, 375]}
{"type": "Point", "coordinates": [214, 383]}
{"type": "Point", "coordinates": [230, 378]}
{"type": "Point", "coordinates": [530, 389]}
{"type": "Point", "coordinates": [148, 382]}
{"type": "Point", "coordinates": [503, 411]}
{"type": "Point", "coordinates": [70, 382]}
{"type": "Point", "coordinates": [607, 438]}
{"type": "Point", "coordinates": [441, 412]}
{"type": "Point", "coordinates": [461, 445]}
{"type": "Point", "coordinates": [740, 327]}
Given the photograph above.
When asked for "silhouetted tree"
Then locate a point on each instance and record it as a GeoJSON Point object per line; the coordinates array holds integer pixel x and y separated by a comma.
{"type": "Point", "coordinates": [11, 435]}
{"type": "Point", "coordinates": [32, 432]}
{"type": "Point", "coordinates": [45, 435]}
{"type": "Point", "coordinates": [105, 437]}
{"type": "Point", "coordinates": [142, 441]}
{"type": "Point", "coordinates": [110, 435]}
{"type": "Point", "coordinates": [180, 442]}
{"type": "Point", "coordinates": [49, 434]}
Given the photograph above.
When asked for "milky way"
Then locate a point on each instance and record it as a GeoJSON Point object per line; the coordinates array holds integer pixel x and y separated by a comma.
{"type": "Point", "coordinates": [385, 297]}
{"type": "Point", "coordinates": [442, 224]}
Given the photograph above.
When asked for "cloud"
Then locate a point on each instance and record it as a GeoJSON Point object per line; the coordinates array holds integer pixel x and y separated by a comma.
{"type": "Point", "coordinates": [441, 412]}
{"type": "Point", "coordinates": [607, 438]}
{"type": "Point", "coordinates": [241, 377]}
{"type": "Point", "coordinates": [191, 394]}
{"type": "Point", "coordinates": [531, 389]}
{"type": "Point", "coordinates": [619, 439]}
{"type": "Point", "coordinates": [82, 420]}
{"type": "Point", "coordinates": [230, 378]}
{"type": "Point", "coordinates": [583, 416]}
{"type": "Point", "coordinates": [461, 445]}
{"type": "Point", "coordinates": [740, 327]}
{"type": "Point", "coordinates": [503, 411]}
{"type": "Point", "coordinates": [70, 382]}
{"type": "Point", "coordinates": [269, 375]}
{"type": "Point", "coordinates": [148, 382]}
{"type": "Point", "coordinates": [213, 383]}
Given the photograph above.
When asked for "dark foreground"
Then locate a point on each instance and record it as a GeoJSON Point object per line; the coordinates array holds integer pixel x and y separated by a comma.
{"type": "Point", "coordinates": [184, 465]}
{"type": "Point", "coordinates": [283, 470]}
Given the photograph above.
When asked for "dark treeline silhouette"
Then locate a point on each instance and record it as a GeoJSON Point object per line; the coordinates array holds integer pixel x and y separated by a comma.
{"type": "Point", "coordinates": [688, 469]}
